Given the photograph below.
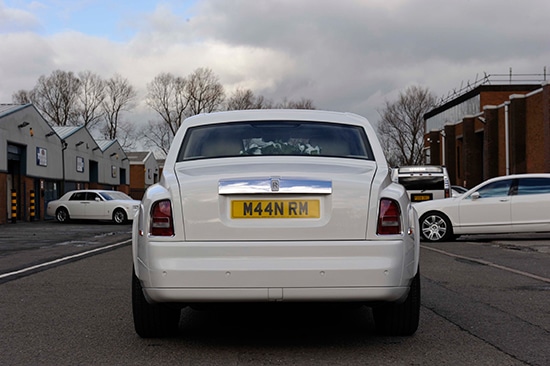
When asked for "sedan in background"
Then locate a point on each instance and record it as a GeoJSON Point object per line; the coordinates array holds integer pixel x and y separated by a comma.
{"type": "Point", "coordinates": [95, 205]}
{"type": "Point", "coordinates": [508, 204]}
{"type": "Point", "coordinates": [275, 206]}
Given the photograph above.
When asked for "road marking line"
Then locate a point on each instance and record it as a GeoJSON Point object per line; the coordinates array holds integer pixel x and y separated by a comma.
{"type": "Point", "coordinates": [490, 264]}
{"type": "Point", "coordinates": [59, 260]}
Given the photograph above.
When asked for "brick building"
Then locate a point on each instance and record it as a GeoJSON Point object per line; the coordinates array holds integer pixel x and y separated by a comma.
{"type": "Point", "coordinates": [492, 130]}
{"type": "Point", "coordinates": [144, 171]}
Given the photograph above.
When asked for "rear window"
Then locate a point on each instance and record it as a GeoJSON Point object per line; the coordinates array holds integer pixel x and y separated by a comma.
{"type": "Point", "coordinates": [416, 183]}
{"type": "Point", "coordinates": [421, 169]}
{"type": "Point", "coordinates": [275, 138]}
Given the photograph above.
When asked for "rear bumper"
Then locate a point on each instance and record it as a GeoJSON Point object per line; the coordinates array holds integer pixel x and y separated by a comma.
{"type": "Point", "coordinates": [288, 294]}
{"type": "Point", "coordinates": [275, 271]}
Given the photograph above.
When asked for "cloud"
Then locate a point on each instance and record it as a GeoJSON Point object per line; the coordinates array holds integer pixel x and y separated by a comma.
{"type": "Point", "coordinates": [16, 20]}
{"type": "Point", "coordinates": [349, 56]}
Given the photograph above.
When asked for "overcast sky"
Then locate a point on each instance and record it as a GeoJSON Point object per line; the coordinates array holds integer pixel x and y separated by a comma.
{"type": "Point", "coordinates": [345, 55]}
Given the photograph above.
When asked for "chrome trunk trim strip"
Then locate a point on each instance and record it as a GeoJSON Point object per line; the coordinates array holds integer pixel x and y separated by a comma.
{"type": "Point", "coordinates": [274, 185]}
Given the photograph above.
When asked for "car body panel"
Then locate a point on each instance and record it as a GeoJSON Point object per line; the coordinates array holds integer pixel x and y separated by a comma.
{"type": "Point", "coordinates": [208, 213]}
{"type": "Point", "coordinates": [531, 211]}
{"type": "Point", "coordinates": [273, 265]}
{"type": "Point", "coordinates": [493, 213]}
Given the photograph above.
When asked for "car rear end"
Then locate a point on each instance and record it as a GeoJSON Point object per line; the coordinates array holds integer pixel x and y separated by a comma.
{"type": "Point", "coordinates": [257, 223]}
{"type": "Point", "coordinates": [425, 182]}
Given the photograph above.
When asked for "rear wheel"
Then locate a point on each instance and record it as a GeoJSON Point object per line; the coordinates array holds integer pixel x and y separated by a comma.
{"type": "Point", "coordinates": [119, 216]}
{"type": "Point", "coordinates": [62, 215]}
{"type": "Point", "coordinates": [436, 227]}
{"type": "Point", "coordinates": [400, 319]}
{"type": "Point", "coordinates": [152, 320]}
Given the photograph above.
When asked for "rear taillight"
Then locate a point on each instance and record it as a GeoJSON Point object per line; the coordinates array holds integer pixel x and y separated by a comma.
{"type": "Point", "coordinates": [161, 219]}
{"type": "Point", "coordinates": [389, 218]}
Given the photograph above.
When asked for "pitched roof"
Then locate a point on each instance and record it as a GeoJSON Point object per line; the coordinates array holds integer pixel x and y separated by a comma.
{"type": "Point", "coordinates": [6, 109]}
{"type": "Point", "coordinates": [137, 156]}
{"type": "Point", "coordinates": [66, 131]}
{"type": "Point", "coordinates": [105, 144]}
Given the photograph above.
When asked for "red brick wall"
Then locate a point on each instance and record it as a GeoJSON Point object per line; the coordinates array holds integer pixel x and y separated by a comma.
{"type": "Point", "coordinates": [137, 181]}
{"type": "Point", "coordinates": [490, 145]}
{"type": "Point", "coordinates": [496, 97]}
{"type": "Point", "coordinates": [534, 134]}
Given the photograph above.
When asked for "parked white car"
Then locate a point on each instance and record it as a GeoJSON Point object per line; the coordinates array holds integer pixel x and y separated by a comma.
{"type": "Point", "coordinates": [93, 204]}
{"type": "Point", "coordinates": [507, 204]}
{"type": "Point", "coordinates": [423, 182]}
{"type": "Point", "coordinates": [275, 206]}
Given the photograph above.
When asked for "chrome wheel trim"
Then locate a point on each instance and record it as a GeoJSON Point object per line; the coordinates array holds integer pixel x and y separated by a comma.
{"type": "Point", "coordinates": [118, 216]}
{"type": "Point", "coordinates": [434, 227]}
{"type": "Point", "coordinates": [61, 215]}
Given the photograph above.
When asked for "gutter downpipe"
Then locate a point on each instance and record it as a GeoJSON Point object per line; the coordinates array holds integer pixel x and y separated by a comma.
{"type": "Point", "coordinates": [442, 138]}
{"type": "Point", "coordinates": [64, 147]}
{"type": "Point", "coordinates": [506, 136]}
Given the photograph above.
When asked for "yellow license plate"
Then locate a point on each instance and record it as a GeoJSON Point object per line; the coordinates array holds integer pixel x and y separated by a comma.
{"type": "Point", "coordinates": [420, 197]}
{"type": "Point", "coordinates": [275, 209]}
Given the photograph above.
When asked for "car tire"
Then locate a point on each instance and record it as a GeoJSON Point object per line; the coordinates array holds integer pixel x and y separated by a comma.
{"type": "Point", "coordinates": [436, 227]}
{"type": "Point", "coordinates": [119, 216]}
{"type": "Point", "coordinates": [62, 215]}
{"type": "Point", "coordinates": [400, 319]}
{"type": "Point", "coordinates": [152, 320]}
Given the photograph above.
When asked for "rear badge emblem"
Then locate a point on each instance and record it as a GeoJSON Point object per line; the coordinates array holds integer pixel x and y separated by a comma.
{"type": "Point", "coordinates": [274, 185]}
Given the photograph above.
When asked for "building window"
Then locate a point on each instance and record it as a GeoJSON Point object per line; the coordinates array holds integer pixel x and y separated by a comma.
{"type": "Point", "coordinates": [80, 164]}
{"type": "Point", "coordinates": [427, 156]}
{"type": "Point", "coordinates": [41, 156]}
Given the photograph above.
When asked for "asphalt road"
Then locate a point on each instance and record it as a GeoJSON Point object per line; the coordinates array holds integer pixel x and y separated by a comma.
{"type": "Point", "coordinates": [25, 244]}
{"type": "Point", "coordinates": [484, 302]}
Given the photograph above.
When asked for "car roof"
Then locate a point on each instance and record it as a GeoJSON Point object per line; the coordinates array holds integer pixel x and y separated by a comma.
{"type": "Point", "coordinates": [310, 115]}
{"type": "Point", "coordinates": [517, 176]}
{"type": "Point", "coordinates": [93, 190]}
{"type": "Point", "coordinates": [275, 115]}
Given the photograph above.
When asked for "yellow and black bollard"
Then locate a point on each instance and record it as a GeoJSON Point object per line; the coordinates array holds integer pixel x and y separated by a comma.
{"type": "Point", "coordinates": [13, 206]}
{"type": "Point", "coordinates": [32, 206]}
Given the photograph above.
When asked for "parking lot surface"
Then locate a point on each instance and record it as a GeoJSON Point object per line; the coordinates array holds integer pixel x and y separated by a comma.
{"type": "Point", "coordinates": [27, 243]}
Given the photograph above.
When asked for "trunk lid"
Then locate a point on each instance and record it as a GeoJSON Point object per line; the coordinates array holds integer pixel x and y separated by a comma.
{"type": "Point", "coordinates": [275, 199]}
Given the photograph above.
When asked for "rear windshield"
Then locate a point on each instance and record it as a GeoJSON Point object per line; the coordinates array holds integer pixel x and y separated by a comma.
{"type": "Point", "coordinates": [422, 183]}
{"type": "Point", "coordinates": [275, 138]}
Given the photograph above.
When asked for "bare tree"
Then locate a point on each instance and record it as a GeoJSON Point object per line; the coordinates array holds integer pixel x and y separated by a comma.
{"type": "Point", "coordinates": [158, 137]}
{"type": "Point", "coordinates": [204, 92]}
{"type": "Point", "coordinates": [21, 97]}
{"type": "Point", "coordinates": [401, 128]}
{"type": "Point", "coordinates": [56, 96]}
{"type": "Point", "coordinates": [127, 135]}
{"type": "Point", "coordinates": [175, 98]}
{"type": "Point", "coordinates": [245, 99]}
{"type": "Point", "coordinates": [300, 104]}
{"type": "Point", "coordinates": [166, 96]}
{"type": "Point", "coordinates": [119, 97]}
{"type": "Point", "coordinates": [91, 97]}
